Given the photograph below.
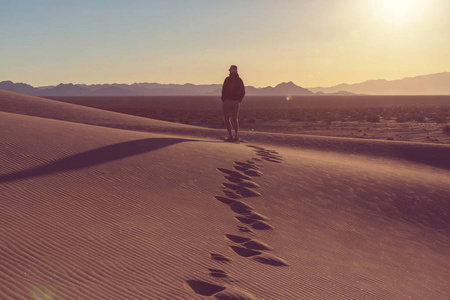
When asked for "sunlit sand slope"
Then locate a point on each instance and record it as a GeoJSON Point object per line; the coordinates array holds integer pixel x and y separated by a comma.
{"type": "Point", "coordinates": [430, 154]}
{"type": "Point", "coordinates": [90, 212]}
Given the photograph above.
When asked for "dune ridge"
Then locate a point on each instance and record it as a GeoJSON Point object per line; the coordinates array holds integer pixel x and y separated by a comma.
{"type": "Point", "coordinates": [430, 154]}
{"type": "Point", "coordinates": [99, 205]}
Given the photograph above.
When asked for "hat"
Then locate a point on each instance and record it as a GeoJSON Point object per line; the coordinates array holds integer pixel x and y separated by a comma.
{"type": "Point", "coordinates": [233, 67]}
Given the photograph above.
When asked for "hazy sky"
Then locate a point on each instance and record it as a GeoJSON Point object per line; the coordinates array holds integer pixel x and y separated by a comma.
{"type": "Point", "coordinates": [310, 42]}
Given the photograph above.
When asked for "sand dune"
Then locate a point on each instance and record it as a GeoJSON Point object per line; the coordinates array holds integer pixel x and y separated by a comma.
{"type": "Point", "coordinates": [99, 205]}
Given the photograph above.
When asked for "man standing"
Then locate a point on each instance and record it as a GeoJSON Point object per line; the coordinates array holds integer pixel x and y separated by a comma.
{"type": "Point", "coordinates": [233, 92]}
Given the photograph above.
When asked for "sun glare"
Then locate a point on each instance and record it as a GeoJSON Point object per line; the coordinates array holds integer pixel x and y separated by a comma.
{"type": "Point", "coordinates": [397, 11]}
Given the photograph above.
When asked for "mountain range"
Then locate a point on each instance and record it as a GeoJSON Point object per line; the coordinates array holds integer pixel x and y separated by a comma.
{"type": "Point", "coordinates": [145, 89]}
{"type": "Point", "coordinates": [433, 84]}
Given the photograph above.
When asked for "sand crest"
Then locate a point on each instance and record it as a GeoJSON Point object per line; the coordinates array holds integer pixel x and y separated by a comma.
{"type": "Point", "coordinates": [100, 205]}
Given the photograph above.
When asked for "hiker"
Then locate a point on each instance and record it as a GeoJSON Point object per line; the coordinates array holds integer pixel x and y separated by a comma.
{"type": "Point", "coordinates": [233, 92]}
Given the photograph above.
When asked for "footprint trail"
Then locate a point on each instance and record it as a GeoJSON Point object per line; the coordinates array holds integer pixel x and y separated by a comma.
{"type": "Point", "coordinates": [239, 185]}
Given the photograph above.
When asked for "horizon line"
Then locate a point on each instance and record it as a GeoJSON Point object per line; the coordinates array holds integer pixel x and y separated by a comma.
{"type": "Point", "coordinates": [199, 84]}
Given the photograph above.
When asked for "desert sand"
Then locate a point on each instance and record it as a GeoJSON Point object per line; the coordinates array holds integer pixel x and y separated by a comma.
{"type": "Point", "coordinates": [102, 205]}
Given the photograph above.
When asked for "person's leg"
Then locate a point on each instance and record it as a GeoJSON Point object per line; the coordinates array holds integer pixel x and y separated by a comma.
{"type": "Point", "coordinates": [235, 123]}
{"type": "Point", "coordinates": [228, 125]}
{"type": "Point", "coordinates": [235, 119]}
{"type": "Point", "coordinates": [227, 116]}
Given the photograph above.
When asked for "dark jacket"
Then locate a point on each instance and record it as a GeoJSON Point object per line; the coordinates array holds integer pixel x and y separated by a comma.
{"type": "Point", "coordinates": [233, 88]}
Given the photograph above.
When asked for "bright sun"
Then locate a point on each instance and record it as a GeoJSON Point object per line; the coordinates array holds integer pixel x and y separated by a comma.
{"type": "Point", "coordinates": [397, 11]}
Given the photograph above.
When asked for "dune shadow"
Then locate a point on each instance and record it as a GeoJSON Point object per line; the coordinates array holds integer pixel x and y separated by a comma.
{"type": "Point", "coordinates": [437, 156]}
{"type": "Point", "coordinates": [95, 157]}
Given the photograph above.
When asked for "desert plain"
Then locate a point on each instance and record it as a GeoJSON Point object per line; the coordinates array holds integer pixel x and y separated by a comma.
{"type": "Point", "coordinates": [120, 204]}
{"type": "Point", "coordinates": [421, 119]}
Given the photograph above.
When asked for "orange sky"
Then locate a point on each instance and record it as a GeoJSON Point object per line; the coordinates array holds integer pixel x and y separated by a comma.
{"type": "Point", "coordinates": [310, 42]}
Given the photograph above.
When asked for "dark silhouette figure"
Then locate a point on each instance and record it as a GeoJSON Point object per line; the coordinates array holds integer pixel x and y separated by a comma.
{"type": "Point", "coordinates": [233, 91]}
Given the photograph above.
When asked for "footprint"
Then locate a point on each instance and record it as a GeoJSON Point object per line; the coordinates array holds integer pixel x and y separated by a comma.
{"type": "Point", "coordinates": [244, 252]}
{"type": "Point", "coordinates": [246, 165]}
{"type": "Point", "coordinates": [225, 171]}
{"type": "Point", "coordinates": [231, 186]}
{"type": "Point", "coordinates": [247, 192]}
{"type": "Point", "coordinates": [249, 184]}
{"type": "Point", "coordinates": [237, 239]}
{"type": "Point", "coordinates": [245, 220]}
{"type": "Point", "coordinates": [269, 259]}
{"type": "Point", "coordinates": [272, 152]}
{"type": "Point", "coordinates": [253, 162]}
{"type": "Point", "coordinates": [264, 258]}
{"type": "Point", "coordinates": [241, 208]}
{"type": "Point", "coordinates": [234, 174]}
{"type": "Point", "coordinates": [272, 159]}
{"type": "Point", "coordinates": [261, 152]}
{"type": "Point", "coordinates": [204, 288]}
{"type": "Point", "coordinates": [219, 257]}
{"type": "Point", "coordinates": [256, 245]}
{"type": "Point", "coordinates": [244, 229]}
{"type": "Point", "coordinates": [240, 168]}
{"type": "Point", "coordinates": [247, 168]}
{"type": "Point", "coordinates": [234, 294]}
{"type": "Point", "coordinates": [225, 200]}
{"type": "Point", "coordinates": [249, 216]}
{"type": "Point", "coordinates": [257, 216]}
{"type": "Point", "coordinates": [234, 179]}
{"type": "Point", "coordinates": [256, 224]}
{"type": "Point", "coordinates": [253, 173]}
{"type": "Point", "coordinates": [261, 225]}
{"type": "Point", "coordinates": [255, 147]}
{"type": "Point", "coordinates": [217, 273]}
{"type": "Point", "coordinates": [231, 194]}
{"type": "Point", "coordinates": [248, 243]}
{"type": "Point", "coordinates": [268, 155]}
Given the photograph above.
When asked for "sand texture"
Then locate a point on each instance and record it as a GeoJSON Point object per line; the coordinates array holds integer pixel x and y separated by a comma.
{"type": "Point", "coordinates": [102, 205]}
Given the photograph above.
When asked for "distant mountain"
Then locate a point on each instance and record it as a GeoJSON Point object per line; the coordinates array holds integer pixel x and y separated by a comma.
{"type": "Point", "coordinates": [21, 88]}
{"type": "Point", "coordinates": [146, 89]}
{"type": "Point", "coordinates": [64, 90]}
{"type": "Point", "coordinates": [340, 93]}
{"type": "Point", "coordinates": [282, 89]}
{"type": "Point", "coordinates": [433, 84]}
{"type": "Point", "coordinates": [111, 90]}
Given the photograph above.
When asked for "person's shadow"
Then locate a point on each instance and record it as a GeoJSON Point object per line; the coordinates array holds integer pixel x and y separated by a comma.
{"type": "Point", "coordinates": [94, 157]}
